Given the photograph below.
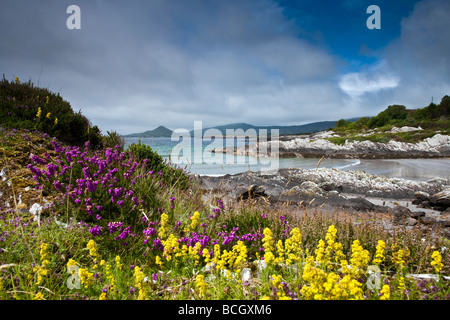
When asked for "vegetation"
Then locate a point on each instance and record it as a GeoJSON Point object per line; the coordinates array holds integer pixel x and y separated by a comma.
{"type": "Point", "coordinates": [78, 223]}
{"type": "Point", "coordinates": [430, 119]}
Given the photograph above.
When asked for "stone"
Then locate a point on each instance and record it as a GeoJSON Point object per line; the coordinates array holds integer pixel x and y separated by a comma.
{"type": "Point", "coordinates": [422, 196]}
{"type": "Point", "coordinates": [417, 214]}
{"type": "Point", "coordinates": [401, 214]}
{"type": "Point", "coordinates": [427, 220]}
{"type": "Point", "coordinates": [441, 199]}
{"type": "Point", "coordinates": [411, 222]}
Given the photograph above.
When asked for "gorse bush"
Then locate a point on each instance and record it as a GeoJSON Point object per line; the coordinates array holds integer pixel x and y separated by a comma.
{"type": "Point", "coordinates": [22, 105]}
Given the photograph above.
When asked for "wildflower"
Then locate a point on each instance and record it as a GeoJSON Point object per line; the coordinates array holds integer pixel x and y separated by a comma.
{"type": "Point", "coordinates": [38, 296]}
{"type": "Point", "coordinates": [45, 252]}
{"type": "Point", "coordinates": [359, 258]}
{"type": "Point", "coordinates": [39, 112]}
{"type": "Point", "coordinates": [17, 80]}
{"type": "Point", "coordinates": [194, 222]}
{"type": "Point", "coordinates": [201, 285]}
{"type": "Point", "coordinates": [400, 256]}
{"type": "Point", "coordinates": [48, 115]}
{"type": "Point", "coordinates": [47, 99]}
{"type": "Point", "coordinates": [102, 296]}
{"type": "Point", "coordinates": [385, 293]}
{"type": "Point", "coordinates": [268, 246]}
{"type": "Point", "coordinates": [86, 277]}
{"type": "Point", "coordinates": [118, 264]}
{"type": "Point", "coordinates": [293, 246]}
{"type": "Point", "coordinates": [401, 284]}
{"type": "Point", "coordinates": [139, 277]}
{"type": "Point", "coordinates": [56, 121]}
{"type": "Point", "coordinates": [437, 261]}
{"type": "Point", "coordinates": [163, 229]}
{"type": "Point", "coordinates": [93, 249]}
{"type": "Point", "coordinates": [158, 261]}
{"type": "Point", "coordinates": [379, 257]}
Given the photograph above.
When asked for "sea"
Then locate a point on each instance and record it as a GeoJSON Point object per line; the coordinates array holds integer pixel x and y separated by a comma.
{"type": "Point", "coordinates": [196, 158]}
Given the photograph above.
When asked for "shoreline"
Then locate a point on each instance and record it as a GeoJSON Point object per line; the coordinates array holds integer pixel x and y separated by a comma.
{"type": "Point", "coordinates": [317, 146]}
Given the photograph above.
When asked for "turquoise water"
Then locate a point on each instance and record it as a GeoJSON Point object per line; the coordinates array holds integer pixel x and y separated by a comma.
{"type": "Point", "coordinates": [200, 161]}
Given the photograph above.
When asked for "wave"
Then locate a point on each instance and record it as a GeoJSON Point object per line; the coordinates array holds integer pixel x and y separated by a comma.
{"type": "Point", "coordinates": [354, 163]}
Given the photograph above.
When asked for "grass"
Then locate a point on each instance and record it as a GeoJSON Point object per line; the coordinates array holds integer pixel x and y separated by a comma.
{"type": "Point", "coordinates": [139, 235]}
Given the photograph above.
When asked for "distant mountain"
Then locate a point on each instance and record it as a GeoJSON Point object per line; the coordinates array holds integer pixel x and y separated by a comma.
{"type": "Point", "coordinates": [283, 130]}
{"type": "Point", "coordinates": [160, 132]}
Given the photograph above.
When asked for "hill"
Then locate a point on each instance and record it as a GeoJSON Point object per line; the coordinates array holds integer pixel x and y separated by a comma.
{"type": "Point", "coordinates": [283, 130]}
{"type": "Point", "coordinates": [160, 132]}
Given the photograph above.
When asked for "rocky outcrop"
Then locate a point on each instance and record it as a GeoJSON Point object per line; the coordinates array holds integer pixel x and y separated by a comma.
{"type": "Point", "coordinates": [316, 146]}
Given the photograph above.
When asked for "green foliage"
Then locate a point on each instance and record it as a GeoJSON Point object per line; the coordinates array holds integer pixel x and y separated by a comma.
{"type": "Point", "coordinates": [113, 139]}
{"type": "Point", "coordinates": [154, 162]}
{"type": "Point", "coordinates": [22, 105]}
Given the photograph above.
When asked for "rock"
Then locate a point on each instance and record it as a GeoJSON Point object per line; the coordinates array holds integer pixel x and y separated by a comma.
{"type": "Point", "coordinates": [309, 185]}
{"type": "Point", "coordinates": [252, 191]}
{"type": "Point", "coordinates": [427, 220]}
{"type": "Point", "coordinates": [417, 214]}
{"type": "Point", "coordinates": [422, 196]}
{"type": "Point", "coordinates": [426, 204]}
{"type": "Point", "coordinates": [416, 202]}
{"type": "Point", "coordinates": [411, 221]}
{"type": "Point", "coordinates": [441, 199]}
{"type": "Point", "coordinates": [401, 214]}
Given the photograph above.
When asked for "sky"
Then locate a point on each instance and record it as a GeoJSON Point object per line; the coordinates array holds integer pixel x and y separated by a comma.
{"type": "Point", "coordinates": [135, 65]}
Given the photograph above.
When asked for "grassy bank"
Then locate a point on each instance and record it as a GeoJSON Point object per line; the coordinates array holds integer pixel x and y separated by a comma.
{"type": "Point", "coordinates": [78, 222]}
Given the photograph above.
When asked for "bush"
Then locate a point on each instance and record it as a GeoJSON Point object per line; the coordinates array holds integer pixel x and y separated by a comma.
{"type": "Point", "coordinates": [22, 105]}
{"type": "Point", "coordinates": [155, 162]}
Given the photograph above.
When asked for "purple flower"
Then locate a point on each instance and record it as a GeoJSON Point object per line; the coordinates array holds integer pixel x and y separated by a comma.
{"type": "Point", "coordinates": [96, 231]}
{"type": "Point", "coordinates": [113, 226]}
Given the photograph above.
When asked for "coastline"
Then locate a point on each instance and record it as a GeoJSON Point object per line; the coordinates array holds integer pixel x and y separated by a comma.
{"type": "Point", "coordinates": [317, 146]}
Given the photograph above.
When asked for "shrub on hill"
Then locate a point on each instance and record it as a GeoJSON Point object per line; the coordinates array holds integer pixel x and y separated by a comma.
{"type": "Point", "coordinates": [22, 105]}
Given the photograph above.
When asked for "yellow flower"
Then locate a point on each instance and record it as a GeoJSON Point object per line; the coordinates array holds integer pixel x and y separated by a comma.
{"type": "Point", "coordinates": [45, 251]}
{"type": "Point", "coordinates": [379, 254]}
{"type": "Point", "coordinates": [17, 80]}
{"type": "Point", "coordinates": [401, 284]}
{"type": "Point", "coordinates": [102, 296]}
{"type": "Point", "coordinates": [47, 99]}
{"type": "Point", "coordinates": [48, 115]}
{"type": "Point", "coordinates": [158, 261]}
{"type": "Point", "coordinates": [71, 262]}
{"type": "Point", "coordinates": [38, 296]}
{"type": "Point", "coordinates": [437, 261]}
{"type": "Point", "coordinates": [293, 246]}
{"type": "Point", "coordinates": [385, 293]}
{"type": "Point", "coordinates": [92, 249]}
{"type": "Point", "coordinates": [359, 258]}
{"type": "Point", "coordinates": [86, 277]}
{"type": "Point", "coordinates": [194, 222]}
{"type": "Point", "coordinates": [201, 285]}
{"type": "Point", "coordinates": [38, 114]}
{"type": "Point", "coordinates": [268, 246]}
{"type": "Point", "coordinates": [139, 277]}
{"type": "Point", "coordinates": [164, 228]}
{"type": "Point", "coordinates": [118, 264]}
{"type": "Point", "coordinates": [56, 121]}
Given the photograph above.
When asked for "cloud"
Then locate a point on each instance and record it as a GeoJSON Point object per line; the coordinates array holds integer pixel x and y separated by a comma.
{"type": "Point", "coordinates": [356, 84]}
{"type": "Point", "coordinates": [136, 66]}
